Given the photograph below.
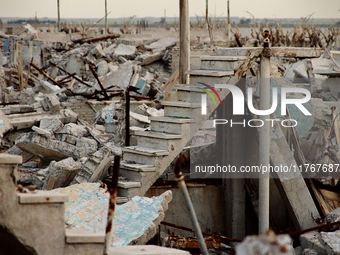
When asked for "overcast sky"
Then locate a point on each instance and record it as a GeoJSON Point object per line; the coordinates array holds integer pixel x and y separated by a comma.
{"type": "Point", "coordinates": [143, 8]}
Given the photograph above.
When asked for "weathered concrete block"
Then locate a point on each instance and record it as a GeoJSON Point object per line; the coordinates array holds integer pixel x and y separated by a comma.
{"type": "Point", "coordinates": [43, 132]}
{"type": "Point", "coordinates": [310, 240]}
{"type": "Point", "coordinates": [49, 87]}
{"type": "Point", "coordinates": [54, 125]}
{"type": "Point", "coordinates": [149, 58]}
{"type": "Point", "coordinates": [127, 51]}
{"type": "Point", "coordinates": [333, 216]}
{"type": "Point", "coordinates": [88, 144]}
{"type": "Point", "coordinates": [74, 129]}
{"type": "Point", "coordinates": [60, 174]}
{"type": "Point", "coordinates": [50, 103]}
{"type": "Point", "coordinates": [98, 51]}
{"type": "Point", "coordinates": [102, 68]}
{"type": "Point", "coordinates": [330, 240]}
{"type": "Point", "coordinates": [161, 44]}
{"type": "Point", "coordinates": [48, 149]}
{"type": "Point", "coordinates": [5, 124]}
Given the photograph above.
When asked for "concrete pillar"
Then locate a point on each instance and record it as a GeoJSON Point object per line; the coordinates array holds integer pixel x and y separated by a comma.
{"type": "Point", "coordinates": [59, 24]}
{"type": "Point", "coordinates": [106, 26]}
{"type": "Point", "coordinates": [238, 147]}
{"type": "Point", "coordinates": [184, 41]}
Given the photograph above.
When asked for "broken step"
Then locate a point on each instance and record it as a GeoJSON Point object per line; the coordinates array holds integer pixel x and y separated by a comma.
{"type": "Point", "coordinates": [128, 189]}
{"type": "Point", "coordinates": [222, 63]}
{"type": "Point", "coordinates": [156, 140]}
{"type": "Point", "coordinates": [143, 155]}
{"type": "Point", "coordinates": [180, 109]}
{"type": "Point", "coordinates": [188, 93]}
{"type": "Point", "coordinates": [42, 197]}
{"type": "Point", "coordinates": [136, 172]}
{"type": "Point", "coordinates": [170, 125]}
{"type": "Point", "coordinates": [210, 77]}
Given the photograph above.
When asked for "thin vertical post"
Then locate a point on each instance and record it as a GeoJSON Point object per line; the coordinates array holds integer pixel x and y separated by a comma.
{"type": "Point", "coordinates": [228, 10]}
{"type": "Point", "coordinates": [59, 24]}
{"type": "Point", "coordinates": [112, 204]}
{"type": "Point", "coordinates": [106, 26]}
{"type": "Point", "coordinates": [184, 30]}
{"type": "Point", "coordinates": [127, 117]}
{"type": "Point", "coordinates": [264, 137]}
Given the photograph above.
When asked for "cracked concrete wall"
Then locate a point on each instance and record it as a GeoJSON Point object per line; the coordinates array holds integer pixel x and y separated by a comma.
{"type": "Point", "coordinates": [208, 203]}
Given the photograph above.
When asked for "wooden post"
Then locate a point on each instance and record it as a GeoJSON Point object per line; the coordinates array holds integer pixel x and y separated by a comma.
{"type": "Point", "coordinates": [59, 24]}
{"type": "Point", "coordinates": [19, 62]}
{"type": "Point", "coordinates": [184, 34]}
{"type": "Point", "coordinates": [228, 10]}
{"type": "Point", "coordinates": [106, 26]}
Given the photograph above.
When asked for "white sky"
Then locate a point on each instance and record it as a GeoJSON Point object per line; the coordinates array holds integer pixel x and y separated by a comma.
{"type": "Point", "coordinates": [144, 8]}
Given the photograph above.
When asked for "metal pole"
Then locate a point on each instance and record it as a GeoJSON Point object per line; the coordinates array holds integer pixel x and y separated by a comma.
{"type": "Point", "coordinates": [59, 24]}
{"type": "Point", "coordinates": [106, 26]}
{"type": "Point", "coordinates": [184, 41]}
{"type": "Point", "coordinates": [112, 204]}
{"type": "Point", "coordinates": [264, 137]}
{"type": "Point", "coordinates": [181, 184]}
{"type": "Point", "coordinates": [228, 10]}
{"type": "Point", "coordinates": [127, 117]}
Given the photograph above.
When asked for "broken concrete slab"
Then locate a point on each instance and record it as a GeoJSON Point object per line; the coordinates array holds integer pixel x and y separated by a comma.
{"type": "Point", "coordinates": [54, 124]}
{"type": "Point", "coordinates": [88, 205]}
{"type": "Point", "coordinates": [102, 68]}
{"type": "Point", "coordinates": [95, 167]}
{"type": "Point", "coordinates": [120, 78]}
{"type": "Point", "coordinates": [333, 216]}
{"type": "Point", "coordinates": [61, 173]}
{"type": "Point", "coordinates": [74, 129]}
{"type": "Point", "coordinates": [150, 57]}
{"type": "Point", "coordinates": [50, 103]}
{"type": "Point", "coordinates": [100, 136]}
{"type": "Point", "coordinates": [310, 240]}
{"type": "Point", "coordinates": [161, 44]}
{"type": "Point", "coordinates": [47, 149]}
{"type": "Point", "coordinates": [146, 249]}
{"type": "Point", "coordinates": [330, 240]}
{"type": "Point", "coordinates": [72, 65]}
{"type": "Point", "coordinates": [98, 51]}
{"type": "Point", "coordinates": [49, 87]}
{"type": "Point", "coordinates": [5, 124]}
{"type": "Point", "coordinates": [89, 144]}
{"type": "Point", "coordinates": [126, 51]}
{"type": "Point", "coordinates": [46, 133]}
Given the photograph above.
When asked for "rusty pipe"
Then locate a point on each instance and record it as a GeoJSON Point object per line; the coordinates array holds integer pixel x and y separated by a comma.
{"type": "Point", "coordinates": [181, 183]}
{"type": "Point", "coordinates": [112, 204]}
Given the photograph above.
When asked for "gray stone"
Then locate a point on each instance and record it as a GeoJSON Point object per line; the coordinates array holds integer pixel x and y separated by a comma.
{"type": "Point", "coordinates": [150, 57]}
{"type": "Point", "coordinates": [54, 125]}
{"type": "Point", "coordinates": [120, 78]}
{"type": "Point", "coordinates": [98, 51]}
{"type": "Point", "coordinates": [161, 44]}
{"type": "Point", "coordinates": [74, 129]}
{"type": "Point", "coordinates": [310, 240]}
{"type": "Point", "coordinates": [50, 103]}
{"type": "Point", "coordinates": [102, 68]}
{"type": "Point", "coordinates": [109, 50]}
{"type": "Point", "coordinates": [43, 132]}
{"type": "Point", "coordinates": [309, 251]}
{"type": "Point", "coordinates": [49, 87]}
{"type": "Point", "coordinates": [126, 51]}
{"type": "Point", "coordinates": [333, 216]}
{"type": "Point", "coordinates": [88, 144]}
{"type": "Point", "coordinates": [330, 241]}
{"type": "Point", "coordinates": [60, 174]}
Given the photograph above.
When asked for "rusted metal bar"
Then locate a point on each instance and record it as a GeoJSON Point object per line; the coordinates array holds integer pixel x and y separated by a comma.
{"type": "Point", "coordinates": [204, 233]}
{"type": "Point", "coordinates": [100, 84]}
{"type": "Point", "coordinates": [65, 78]}
{"type": "Point", "coordinates": [46, 75]}
{"type": "Point", "coordinates": [181, 183]}
{"type": "Point", "coordinates": [297, 233]}
{"type": "Point", "coordinates": [127, 117]}
{"type": "Point", "coordinates": [92, 40]}
{"type": "Point", "coordinates": [112, 204]}
{"type": "Point", "coordinates": [72, 75]}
